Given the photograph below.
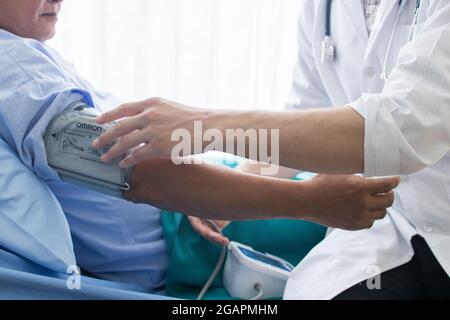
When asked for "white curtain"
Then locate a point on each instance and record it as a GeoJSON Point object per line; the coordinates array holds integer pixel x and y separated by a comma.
{"type": "Point", "coordinates": [208, 53]}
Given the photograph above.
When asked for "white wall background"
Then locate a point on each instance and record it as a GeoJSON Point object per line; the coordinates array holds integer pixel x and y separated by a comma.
{"type": "Point", "coordinates": [215, 53]}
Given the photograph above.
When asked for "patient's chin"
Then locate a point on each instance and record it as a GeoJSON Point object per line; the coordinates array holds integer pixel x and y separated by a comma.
{"type": "Point", "coordinates": [48, 37]}
{"type": "Point", "coordinates": [45, 34]}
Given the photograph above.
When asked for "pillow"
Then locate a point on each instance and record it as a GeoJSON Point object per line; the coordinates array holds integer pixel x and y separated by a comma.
{"type": "Point", "coordinates": [32, 222]}
{"type": "Point", "coordinates": [193, 258]}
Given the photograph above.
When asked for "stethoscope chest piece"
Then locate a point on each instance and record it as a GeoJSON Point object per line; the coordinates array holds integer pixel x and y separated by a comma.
{"type": "Point", "coordinates": [328, 50]}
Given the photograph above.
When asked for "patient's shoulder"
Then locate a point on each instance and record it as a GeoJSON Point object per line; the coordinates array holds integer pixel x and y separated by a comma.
{"type": "Point", "coordinates": [23, 60]}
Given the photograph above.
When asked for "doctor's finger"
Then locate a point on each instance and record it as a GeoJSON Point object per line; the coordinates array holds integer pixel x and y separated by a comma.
{"type": "Point", "coordinates": [120, 129]}
{"type": "Point", "coordinates": [382, 185]}
{"type": "Point", "coordinates": [125, 110]}
{"type": "Point", "coordinates": [124, 144]}
{"type": "Point", "coordinates": [137, 156]}
{"type": "Point", "coordinates": [382, 201]}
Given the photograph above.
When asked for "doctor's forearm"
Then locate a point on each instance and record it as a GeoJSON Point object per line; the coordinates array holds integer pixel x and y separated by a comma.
{"type": "Point", "coordinates": [214, 192]}
{"type": "Point", "coordinates": [327, 141]}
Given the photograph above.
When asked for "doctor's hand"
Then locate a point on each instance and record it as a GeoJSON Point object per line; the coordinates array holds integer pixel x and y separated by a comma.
{"type": "Point", "coordinates": [146, 129]}
{"type": "Point", "coordinates": [349, 202]}
{"type": "Point", "coordinates": [208, 231]}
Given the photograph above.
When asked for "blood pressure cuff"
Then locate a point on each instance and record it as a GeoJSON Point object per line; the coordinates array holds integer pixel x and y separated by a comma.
{"type": "Point", "coordinates": [68, 140]}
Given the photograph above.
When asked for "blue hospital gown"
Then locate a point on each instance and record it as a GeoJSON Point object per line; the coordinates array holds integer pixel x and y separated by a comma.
{"type": "Point", "coordinates": [113, 239]}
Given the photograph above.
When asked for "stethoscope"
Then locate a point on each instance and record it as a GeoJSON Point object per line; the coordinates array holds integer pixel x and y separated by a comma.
{"type": "Point", "coordinates": [329, 49]}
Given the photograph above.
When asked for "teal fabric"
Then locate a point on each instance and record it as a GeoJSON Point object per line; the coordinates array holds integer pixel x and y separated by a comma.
{"type": "Point", "coordinates": [193, 258]}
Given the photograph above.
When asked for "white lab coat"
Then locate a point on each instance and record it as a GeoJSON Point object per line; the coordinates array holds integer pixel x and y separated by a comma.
{"type": "Point", "coordinates": [407, 133]}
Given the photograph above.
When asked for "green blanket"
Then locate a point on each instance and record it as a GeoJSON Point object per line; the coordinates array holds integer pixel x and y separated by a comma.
{"type": "Point", "coordinates": [193, 258]}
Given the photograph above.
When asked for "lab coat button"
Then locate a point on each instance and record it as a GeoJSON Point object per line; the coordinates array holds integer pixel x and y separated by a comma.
{"type": "Point", "coordinates": [369, 72]}
{"type": "Point", "coordinates": [428, 228]}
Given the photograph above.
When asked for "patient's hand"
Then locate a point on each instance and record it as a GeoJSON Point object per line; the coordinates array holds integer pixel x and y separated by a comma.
{"type": "Point", "coordinates": [205, 229]}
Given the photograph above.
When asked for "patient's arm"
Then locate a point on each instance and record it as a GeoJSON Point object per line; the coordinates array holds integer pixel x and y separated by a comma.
{"type": "Point", "coordinates": [209, 231]}
{"type": "Point", "coordinates": [256, 168]}
{"type": "Point", "coordinates": [213, 192]}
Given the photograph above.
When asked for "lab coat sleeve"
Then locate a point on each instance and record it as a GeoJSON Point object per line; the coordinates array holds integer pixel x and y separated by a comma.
{"type": "Point", "coordinates": [308, 90]}
{"type": "Point", "coordinates": [408, 124]}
